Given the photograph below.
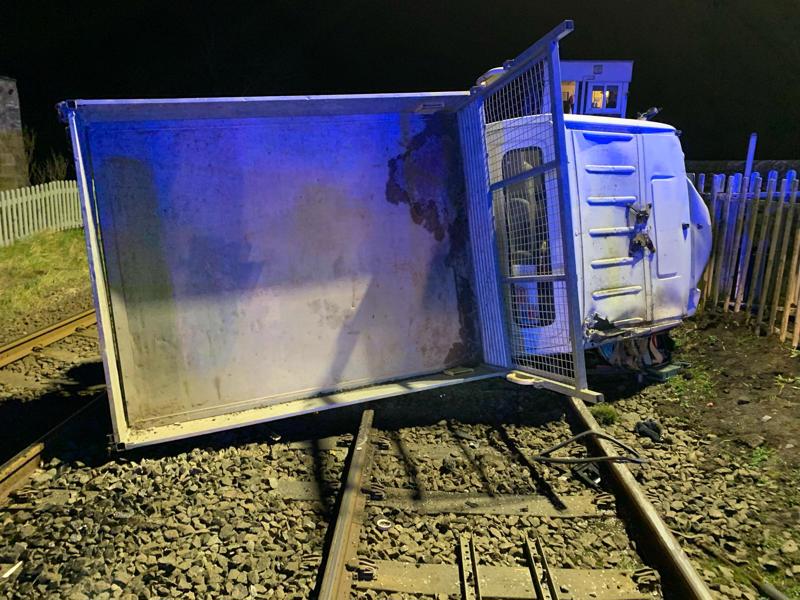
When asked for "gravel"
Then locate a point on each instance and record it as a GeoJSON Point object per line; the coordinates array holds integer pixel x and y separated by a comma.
{"type": "Point", "coordinates": [458, 457]}
{"type": "Point", "coordinates": [191, 525]}
{"type": "Point", "coordinates": [713, 498]}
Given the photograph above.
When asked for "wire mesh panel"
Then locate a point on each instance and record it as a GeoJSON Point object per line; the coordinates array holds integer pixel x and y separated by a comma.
{"type": "Point", "coordinates": [516, 166]}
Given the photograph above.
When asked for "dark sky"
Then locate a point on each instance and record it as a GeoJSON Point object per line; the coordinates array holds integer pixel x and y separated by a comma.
{"type": "Point", "coordinates": [720, 68]}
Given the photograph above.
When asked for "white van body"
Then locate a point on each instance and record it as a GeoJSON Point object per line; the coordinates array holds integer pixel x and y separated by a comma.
{"type": "Point", "coordinates": [627, 179]}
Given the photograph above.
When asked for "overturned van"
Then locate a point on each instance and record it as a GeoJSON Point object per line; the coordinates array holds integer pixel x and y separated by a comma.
{"type": "Point", "coordinates": [256, 258]}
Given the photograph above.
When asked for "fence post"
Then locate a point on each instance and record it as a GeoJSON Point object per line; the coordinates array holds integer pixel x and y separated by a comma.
{"type": "Point", "coordinates": [4, 234]}
{"type": "Point", "coordinates": [787, 232]}
{"type": "Point", "coordinates": [722, 232]}
{"type": "Point", "coordinates": [796, 333]}
{"type": "Point", "coordinates": [67, 206]}
{"type": "Point", "coordinates": [716, 185]}
{"type": "Point", "coordinates": [17, 204]}
{"type": "Point", "coordinates": [766, 286]}
{"type": "Point", "coordinates": [701, 183]}
{"type": "Point", "coordinates": [72, 190]}
{"type": "Point", "coordinates": [746, 243]}
{"type": "Point", "coordinates": [757, 281]}
{"type": "Point", "coordinates": [68, 202]}
{"type": "Point", "coordinates": [752, 243]}
{"type": "Point", "coordinates": [26, 208]}
{"type": "Point", "coordinates": [735, 258]}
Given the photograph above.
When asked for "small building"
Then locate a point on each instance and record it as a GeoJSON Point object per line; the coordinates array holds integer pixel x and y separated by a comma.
{"type": "Point", "coordinates": [13, 165]}
{"type": "Point", "coordinates": [594, 87]}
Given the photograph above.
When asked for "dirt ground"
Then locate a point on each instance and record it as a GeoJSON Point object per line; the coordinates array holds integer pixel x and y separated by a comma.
{"type": "Point", "coordinates": [751, 388]}
{"type": "Point", "coordinates": [727, 474]}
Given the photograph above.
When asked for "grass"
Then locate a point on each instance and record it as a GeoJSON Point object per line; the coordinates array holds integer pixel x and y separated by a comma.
{"type": "Point", "coordinates": [37, 273]}
{"type": "Point", "coordinates": [760, 455]}
{"type": "Point", "coordinates": [699, 385]}
{"type": "Point", "coordinates": [604, 414]}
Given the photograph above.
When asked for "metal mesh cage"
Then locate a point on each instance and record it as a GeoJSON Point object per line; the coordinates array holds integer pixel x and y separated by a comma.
{"type": "Point", "coordinates": [513, 156]}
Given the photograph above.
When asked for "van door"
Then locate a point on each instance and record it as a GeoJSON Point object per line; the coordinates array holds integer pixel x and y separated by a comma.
{"type": "Point", "coordinates": [613, 216]}
{"type": "Point", "coordinates": [665, 180]}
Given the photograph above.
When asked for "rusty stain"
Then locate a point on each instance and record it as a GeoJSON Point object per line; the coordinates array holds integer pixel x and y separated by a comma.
{"type": "Point", "coordinates": [428, 177]}
{"type": "Point", "coordinates": [416, 175]}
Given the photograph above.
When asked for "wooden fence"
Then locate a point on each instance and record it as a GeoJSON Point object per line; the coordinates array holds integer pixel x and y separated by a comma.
{"type": "Point", "coordinates": [755, 259]}
{"type": "Point", "coordinates": [50, 206]}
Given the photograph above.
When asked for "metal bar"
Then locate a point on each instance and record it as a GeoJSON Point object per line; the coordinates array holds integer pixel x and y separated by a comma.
{"type": "Point", "coordinates": [524, 278]}
{"type": "Point", "coordinates": [683, 574]}
{"type": "Point", "coordinates": [522, 378]}
{"type": "Point", "coordinates": [102, 296]}
{"type": "Point", "coordinates": [335, 581]}
{"type": "Point", "coordinates": [44, 337]}
{"type": "Point", "coordinates": [536, 576]}
{"type": "Point", "coordinates": [442, 580]}
{"type": "Point", "coordinates": [536, 171]}
{"type": "Point", "coordinates": [548, 575]}
{"type": "Point", "coordinates": [570, 268]}
{"type": "Point", "coordinates": [15, 471]}
{"type": "Point", "coordinates": [477, 579]}
{"type": "Point", "coordinates": [466, 574]}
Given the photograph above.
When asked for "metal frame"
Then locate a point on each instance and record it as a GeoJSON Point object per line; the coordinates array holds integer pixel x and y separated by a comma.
{"type": "Point", "coordinates": [82, 115]}
{"type": "Point", "coordinates": [102, 302]}
{"type": "Point", "coordinates": [486, 235]}
{"type": "Point", "coordinates": [570, 266]}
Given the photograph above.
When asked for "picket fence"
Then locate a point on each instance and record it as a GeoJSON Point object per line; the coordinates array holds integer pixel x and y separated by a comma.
{"type": "Point", "coordinates": [47, 207]}
{"type": "Point", "coordinates": [755, 260]}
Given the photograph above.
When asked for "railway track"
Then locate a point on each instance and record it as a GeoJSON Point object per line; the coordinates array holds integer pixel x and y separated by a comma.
{"type": "Point", "coordinates": [502, 545]}
{"type": "Point", "coordinates": [41, 394]}
{"type": "Point", "coordinates": [42, 338]}
{"type": "Point", "coordinates": [445, 510]}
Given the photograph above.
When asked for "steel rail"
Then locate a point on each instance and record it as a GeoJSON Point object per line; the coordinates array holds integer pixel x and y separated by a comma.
{"type": "Point", "coordinates": [682, 574]}
{"type": "Point", "coordinates": [18, 468]}
{"type": "Point", "coordinates": [44, 337]}
{"type": "Point", "coordinates": [335, 581]}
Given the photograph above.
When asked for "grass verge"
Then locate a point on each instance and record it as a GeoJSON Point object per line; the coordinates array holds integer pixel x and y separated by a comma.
{"type": "Point", "coordinates": [38, 274]}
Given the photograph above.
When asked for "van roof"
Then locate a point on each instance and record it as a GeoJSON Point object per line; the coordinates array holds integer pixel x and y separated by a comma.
{"type": "Point", "coordinates": [596, 123]}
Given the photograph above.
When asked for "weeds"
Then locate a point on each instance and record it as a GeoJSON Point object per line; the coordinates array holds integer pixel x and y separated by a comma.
{"type": "Point", "coordinates": [761, 455]}
{"type": "Point", "coordinates": [52, 168]}
{"type": "Point", "coordinates": [698, 384]}
{"type": "Point", "coordinates": [605, 414]}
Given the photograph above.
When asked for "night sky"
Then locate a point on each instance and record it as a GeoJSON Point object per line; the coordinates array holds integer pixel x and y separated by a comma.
{"type": "Point", "coordinates": [720, 68]}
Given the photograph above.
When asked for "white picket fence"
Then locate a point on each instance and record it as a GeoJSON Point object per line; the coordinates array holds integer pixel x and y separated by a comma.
{"type": "Point", "coordinates": [47, 207]}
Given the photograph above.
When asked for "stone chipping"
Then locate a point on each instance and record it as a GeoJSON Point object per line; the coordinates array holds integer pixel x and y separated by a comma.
{"type": "Point", "coordinates": [196, 524]}
{"type": "Point", "coordinates": [714, 498]}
